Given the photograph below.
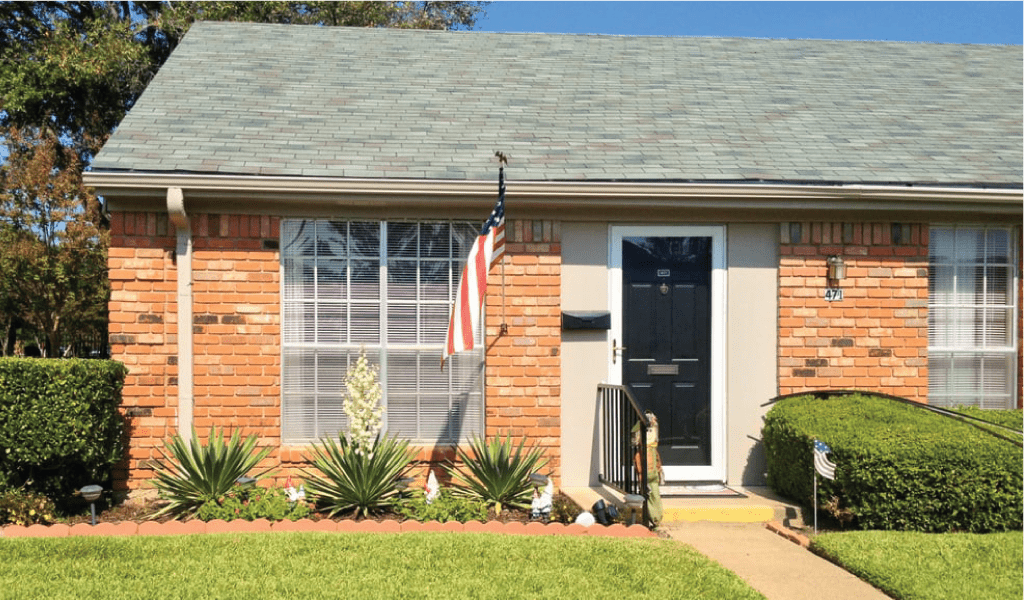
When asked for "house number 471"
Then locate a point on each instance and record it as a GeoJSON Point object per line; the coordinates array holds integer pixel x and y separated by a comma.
{"type": "Point", "coordinates": [833, 294]}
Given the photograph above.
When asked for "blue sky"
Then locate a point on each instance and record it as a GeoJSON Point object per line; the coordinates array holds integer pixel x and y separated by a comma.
{"type": "Point", "coordinates": [947, 22]}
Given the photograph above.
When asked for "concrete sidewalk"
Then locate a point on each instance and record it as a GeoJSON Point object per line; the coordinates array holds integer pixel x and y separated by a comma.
{"type": "Point", "coordinates": [771, 564]}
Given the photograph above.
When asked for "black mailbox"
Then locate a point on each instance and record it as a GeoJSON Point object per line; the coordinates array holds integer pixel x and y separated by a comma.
{"type": "Point", "coordinates": [586, 320]}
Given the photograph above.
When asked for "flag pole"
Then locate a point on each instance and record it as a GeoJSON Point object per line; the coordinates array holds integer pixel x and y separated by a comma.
{"type": "Point", "coordinates": [503, 330]}
{"type": "Point", "coordinates": [815, 475]}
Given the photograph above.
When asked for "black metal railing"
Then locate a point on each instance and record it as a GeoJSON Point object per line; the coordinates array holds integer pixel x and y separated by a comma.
{"type": "Point", "coordinates": [623, 443]}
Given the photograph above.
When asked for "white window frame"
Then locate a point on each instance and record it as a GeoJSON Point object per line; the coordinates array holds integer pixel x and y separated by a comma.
{"type": "Point", "coordinates": [952, 346]}
{"type": "Point", "coordinates": [323, 395]}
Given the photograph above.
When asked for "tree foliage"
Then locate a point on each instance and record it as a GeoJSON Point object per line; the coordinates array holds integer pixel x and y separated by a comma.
{"type": "Point", "coordinates": [53, 259]}
{"type": "Point", "coordinates": [69, 72]}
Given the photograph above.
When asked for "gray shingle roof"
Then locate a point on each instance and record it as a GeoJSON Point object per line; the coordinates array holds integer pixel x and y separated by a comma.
{"type": "Point", "coordinates": [254, 99]}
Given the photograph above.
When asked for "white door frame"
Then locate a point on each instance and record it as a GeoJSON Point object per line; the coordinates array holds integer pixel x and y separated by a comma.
{"type": "Point", "coordinates": [715, 472]}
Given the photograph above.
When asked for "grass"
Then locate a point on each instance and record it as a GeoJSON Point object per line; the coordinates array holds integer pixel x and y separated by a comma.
{"type": "Point", "coordinates": [932, 566]}
{"type": "Point", "coordinates": [364, 566]}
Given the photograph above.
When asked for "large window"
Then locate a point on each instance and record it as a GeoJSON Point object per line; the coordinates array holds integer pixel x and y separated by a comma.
{"type": "Point", "coordinates": [972, 317]}
{"type": "Point", "coordinates": [385, 288]}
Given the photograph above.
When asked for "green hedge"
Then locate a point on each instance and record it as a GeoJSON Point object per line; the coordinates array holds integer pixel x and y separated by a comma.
{"type": "Point", "coordinates": [1006, 418]}
{"type": "Point", "coordinates": [897, 466]}
{"type": "Point", "coordinates": [60, 427]}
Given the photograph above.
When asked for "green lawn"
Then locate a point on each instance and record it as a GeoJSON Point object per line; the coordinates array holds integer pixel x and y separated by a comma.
{"type": "Point", "coordinates": [363, 566]}
{"type": "Point", "coordinates": [932, 566]}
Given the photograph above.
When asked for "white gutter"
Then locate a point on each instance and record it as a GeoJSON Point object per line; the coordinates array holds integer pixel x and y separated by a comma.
{"type": "Point", "coordinates": [183, 252]}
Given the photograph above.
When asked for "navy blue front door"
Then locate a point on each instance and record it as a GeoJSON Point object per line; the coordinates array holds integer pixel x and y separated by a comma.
{"type": "Point", "coordinates": [666, 331]}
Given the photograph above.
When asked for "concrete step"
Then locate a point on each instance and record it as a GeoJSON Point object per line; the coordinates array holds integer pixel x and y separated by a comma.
{"type": "Point", "coordinates": [759, 505]}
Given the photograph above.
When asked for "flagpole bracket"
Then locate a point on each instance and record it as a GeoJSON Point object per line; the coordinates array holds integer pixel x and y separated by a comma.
{"type": "Point", "coordinates": [504, 329]}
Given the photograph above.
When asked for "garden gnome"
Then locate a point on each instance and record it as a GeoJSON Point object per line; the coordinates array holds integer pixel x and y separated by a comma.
{"type": "Point", "coordinates": [655, 474]}
{"type": "Point", "coordinates": [433, 488]}
{"type": "Point", "coordinates": [540, 507]}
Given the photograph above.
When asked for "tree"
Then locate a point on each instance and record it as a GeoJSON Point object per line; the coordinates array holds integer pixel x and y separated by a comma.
{"type": "Point", "coordinates": [53, 261]}
{"type": "Point", "coordinates": [69, 72]}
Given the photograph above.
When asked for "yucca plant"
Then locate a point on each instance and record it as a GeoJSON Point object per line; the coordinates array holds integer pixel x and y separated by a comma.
{"type": "Point", "coordinates": [356, 480]}
{"type": "Point", "coordinates": [191, 473]}
{"type": "Point", "coordinates": [497, 472]}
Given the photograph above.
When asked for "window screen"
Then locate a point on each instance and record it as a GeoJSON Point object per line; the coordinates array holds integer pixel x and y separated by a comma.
{"type": "Point", "coordinates": [386, 288]}
{"type": "Point", "coordinates": [972, 317]}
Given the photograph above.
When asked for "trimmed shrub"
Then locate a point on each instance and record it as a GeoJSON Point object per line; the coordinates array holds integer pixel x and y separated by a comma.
{"type": "Point", "coordinates": [1013, 419]}
{"type": "Point", "coordinates": [60, 427]}
{"type": "Point", "coordinates": [897, 466]}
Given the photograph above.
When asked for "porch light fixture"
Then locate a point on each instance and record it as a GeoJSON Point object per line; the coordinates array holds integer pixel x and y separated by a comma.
{"type": "Point", "coordinates": [836, 269]}
{"type": "Point", "coordinates": [91, 493]}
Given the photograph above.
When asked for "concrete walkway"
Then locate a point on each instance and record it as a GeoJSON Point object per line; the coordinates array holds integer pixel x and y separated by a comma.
{"type": "Point", "coordinates": [771, 564]}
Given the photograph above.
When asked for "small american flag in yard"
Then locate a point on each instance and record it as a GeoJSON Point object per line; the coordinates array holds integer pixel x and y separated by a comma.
{"type": "Point", "coordinates": [464, 323]}
{"type": "Point", "coordinates": [822, 464]}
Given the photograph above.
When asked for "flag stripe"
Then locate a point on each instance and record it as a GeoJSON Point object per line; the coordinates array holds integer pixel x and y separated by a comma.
{"type": "Point", "coordinates": [488, 248]}
{"type": "Point", "coordinates": [822, 464]}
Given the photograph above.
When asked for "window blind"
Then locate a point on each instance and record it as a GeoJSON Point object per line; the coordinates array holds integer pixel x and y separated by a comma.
{"type": "Point", "coordinates": [385, 287]}
{"type": "Point", "coordinates": [972, 311]}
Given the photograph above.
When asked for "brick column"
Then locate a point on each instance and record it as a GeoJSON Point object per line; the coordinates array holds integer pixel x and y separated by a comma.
{"type": "Point", "coordinates": [143, 326]}
{"type": "Point", "coordinates": [236, 324]}
{"type": "Point", "coordinates": [523, 382]}
{"type": "Point", "coordinates": [876, 338]}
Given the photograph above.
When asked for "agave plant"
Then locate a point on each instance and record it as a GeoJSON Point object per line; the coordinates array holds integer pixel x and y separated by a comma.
{"type": "Point", "coordinates": [356, 480]}
{"type": "Point", "coordinates": [191, 473]}
{"type": "Point", "coordinates": [496, 472]}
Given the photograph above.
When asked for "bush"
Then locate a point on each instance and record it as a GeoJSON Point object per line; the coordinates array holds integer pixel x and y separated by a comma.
{"type": "Point", "coordinates": [1013, 419]}
{"type": "Point", "coordinates": [192, 474]}
{"type": "Point", "coordinates": [497, 472]}
{"type": "Point", "coordinates": [897, 466]}
{"type": "Point", "coordinates": [251, 503]}
{"type": "Point", "coordinates": [60, 428]}
{"type": "Point", "coordinates": [358, 481]}
{"type": "Point", "coordinates": [24, 507]}
{"type": "Point", "coordinates": [445, 507]}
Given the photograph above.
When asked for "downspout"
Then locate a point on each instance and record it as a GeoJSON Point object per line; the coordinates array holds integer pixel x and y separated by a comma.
{"type": "Point", "coordinates": [183, 253]}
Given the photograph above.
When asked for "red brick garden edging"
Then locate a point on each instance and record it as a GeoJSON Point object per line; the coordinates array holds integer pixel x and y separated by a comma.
{"type": "Point", "coordinates": [129, 528]}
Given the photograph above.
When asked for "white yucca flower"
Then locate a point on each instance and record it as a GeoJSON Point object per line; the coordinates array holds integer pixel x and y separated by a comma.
{"type": "Point", "coordinates": [362, 404]}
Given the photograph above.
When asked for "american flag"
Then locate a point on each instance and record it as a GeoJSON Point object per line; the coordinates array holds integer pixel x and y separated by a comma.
{"type": "Point", "coordinates": [822, 464]}
{"type": "Point", "coordinates": [464, 323]}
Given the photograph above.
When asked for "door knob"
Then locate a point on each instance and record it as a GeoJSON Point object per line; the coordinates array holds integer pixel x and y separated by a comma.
{"type": "Point", "coordinates": [616, 349]}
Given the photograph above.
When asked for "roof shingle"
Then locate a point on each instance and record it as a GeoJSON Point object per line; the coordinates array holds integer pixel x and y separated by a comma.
{"type": "Point", "coordinates": [254, 99]}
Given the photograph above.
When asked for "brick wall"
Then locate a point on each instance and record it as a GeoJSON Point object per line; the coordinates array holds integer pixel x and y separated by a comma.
{"type": "Point", "coordinates": [236, 326]}
{"type": "Point", "coordinates": [236, 336]}
{"type": "Point", "coordinates": [143, 326]}
{"type": "Point", "coordinates": [876, 338]}
{"type": "Point", "coordinates": [236, 329]}
{"type": "Point", "coordinates": [524, 364]}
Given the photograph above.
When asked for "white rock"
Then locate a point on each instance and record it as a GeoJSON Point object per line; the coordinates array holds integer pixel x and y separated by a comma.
{"type": "Point", "coordinates": [585, 519]}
